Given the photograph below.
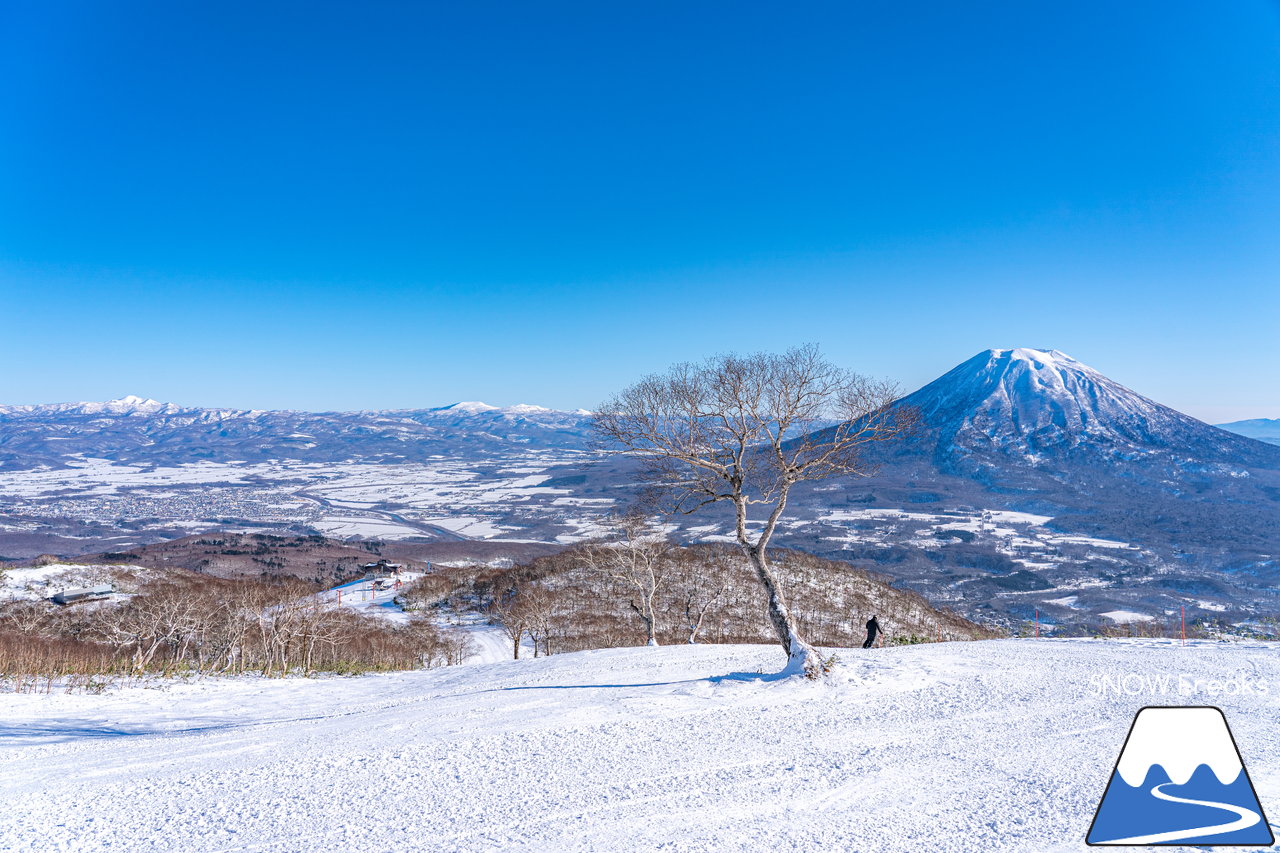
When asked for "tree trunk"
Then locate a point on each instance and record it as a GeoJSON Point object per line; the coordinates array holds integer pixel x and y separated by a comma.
{"type": "Point", "coordinates": [649, 619]}
{"type": "Point", "coordinates": [802, 658]}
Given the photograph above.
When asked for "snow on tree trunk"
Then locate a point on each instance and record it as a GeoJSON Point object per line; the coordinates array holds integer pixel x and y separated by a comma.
{"type": "Point", "coordinates": [802, 658]}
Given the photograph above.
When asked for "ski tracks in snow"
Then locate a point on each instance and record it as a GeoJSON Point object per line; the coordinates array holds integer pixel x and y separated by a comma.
{"type": "Point", "coordinates": [958, 746]}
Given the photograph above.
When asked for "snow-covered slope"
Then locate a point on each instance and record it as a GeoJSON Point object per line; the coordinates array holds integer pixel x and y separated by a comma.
{"type": "Point", "coordinates": [1055, 433]}
{"type": "Point", "coordinates": [992, 746]}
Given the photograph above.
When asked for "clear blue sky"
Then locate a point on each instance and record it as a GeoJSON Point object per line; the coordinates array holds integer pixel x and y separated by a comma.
{"type": "Point", "coordinates": [376, 205]}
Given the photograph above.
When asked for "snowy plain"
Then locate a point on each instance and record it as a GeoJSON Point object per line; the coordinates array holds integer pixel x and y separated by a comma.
{"type": "Point", "coordinates": [999, 745]}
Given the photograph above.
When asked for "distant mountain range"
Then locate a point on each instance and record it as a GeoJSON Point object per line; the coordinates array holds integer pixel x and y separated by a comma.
{"type": "Point", "coordinates": [1034, 483]}
{"type": "Point", "coordinates": [1263, 429]}
{"type": "Point", "coordinates": [137, 430]}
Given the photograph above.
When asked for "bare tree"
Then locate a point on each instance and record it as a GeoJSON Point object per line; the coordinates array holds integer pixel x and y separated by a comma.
{"type": "Point", "coordinates": [24, 615]}
{"type": "Point", "coordinates": [543, 613]}
{"type": "Point", "coordinates": [637, 561]}
{"type": "Point", "coordinates": [700, 582]}
{"type": "Point", "coordinates": [508, 611]}
{"type": "Point", "coordinates": [746, 430]}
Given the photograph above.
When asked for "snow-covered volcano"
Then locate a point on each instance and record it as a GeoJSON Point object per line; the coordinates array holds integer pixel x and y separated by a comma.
{"type": "Point", "coordinates": [1026, 402]}
{"type": "Point", "coordinates": [1025, 461]}
{"type": "Point", "coordinates": [1190, 510]}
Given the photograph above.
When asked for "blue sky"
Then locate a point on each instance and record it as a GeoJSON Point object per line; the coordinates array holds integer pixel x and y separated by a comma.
{"type": "Point", "coordinates": [349, 205]}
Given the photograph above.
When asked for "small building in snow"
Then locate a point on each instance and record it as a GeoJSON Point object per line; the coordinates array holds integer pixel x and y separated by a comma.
{"type": "Point", "coordinates": [90, 593]}
{"type": "Point", "coordinates": [383, 567]}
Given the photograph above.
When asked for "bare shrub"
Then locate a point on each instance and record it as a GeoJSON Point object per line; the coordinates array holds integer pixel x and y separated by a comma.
{"type": "Point", "coordinates": [562, 602]}
{"type": "Point", "coordinates": [195, 624]}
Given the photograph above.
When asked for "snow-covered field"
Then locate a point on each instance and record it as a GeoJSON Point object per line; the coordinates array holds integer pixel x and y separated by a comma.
{"type": "Point", "coordinates": [343, 498]}
{"type": "Point", "coordinates": [1003, 745]}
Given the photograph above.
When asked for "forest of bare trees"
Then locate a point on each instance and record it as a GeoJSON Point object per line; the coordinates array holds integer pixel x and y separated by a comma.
{"type": "Point", "coordinates": [181, 624]}
{"type": "Point", "coordinates": [582, 598]}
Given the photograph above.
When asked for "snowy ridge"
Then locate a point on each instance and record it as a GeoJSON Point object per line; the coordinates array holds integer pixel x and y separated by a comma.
{"type": "Point", "coordinates": [469, 406]}
{"type": "Point", "coordinates": [132, 404]}
{"type": "Point", "coordinates": [127, 405]}
{"type": "Point", "coordinates": [1179, 740]}
{"type": "Point", "coordinates": [133, 429]}
{"type": "Point", "coordinates": [1263, 429]}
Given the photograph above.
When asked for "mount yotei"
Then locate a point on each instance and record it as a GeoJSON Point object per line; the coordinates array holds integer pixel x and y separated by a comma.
{"type": "Point", "coordinates": [1037, 482]}
{"type": "Point", "coordinates": [1034, 483]}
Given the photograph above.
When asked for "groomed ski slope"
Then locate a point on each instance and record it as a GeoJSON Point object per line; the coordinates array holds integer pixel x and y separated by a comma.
{"type": "Point", "coordinates": [1001, 745]}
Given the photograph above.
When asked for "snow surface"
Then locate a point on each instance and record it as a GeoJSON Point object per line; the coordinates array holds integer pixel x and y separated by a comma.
{"type": "Point", "coordinates": [993, 746]}
{"type": "Point", "coordinates": [361, 595]}
{"type": "Point", "coordinates": [1125, 617]}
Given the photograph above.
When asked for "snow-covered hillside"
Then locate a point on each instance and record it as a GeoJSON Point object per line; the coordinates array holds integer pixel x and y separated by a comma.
{"type": "Point", "coordinates": [1003, 745]}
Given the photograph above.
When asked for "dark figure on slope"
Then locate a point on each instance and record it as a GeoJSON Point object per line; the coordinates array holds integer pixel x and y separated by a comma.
{"type": "Point", "coordinates": [873, 630]}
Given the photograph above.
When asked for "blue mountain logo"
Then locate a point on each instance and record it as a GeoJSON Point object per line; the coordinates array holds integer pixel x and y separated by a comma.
{"type": "Point", "coordinates": [1180, 780]}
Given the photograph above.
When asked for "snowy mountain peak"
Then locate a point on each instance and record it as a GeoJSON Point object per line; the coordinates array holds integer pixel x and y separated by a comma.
{"type": "Point", "coordinates": [475, 407]}
{"type": "Point", "coordinates": [1262, 429]}
{"type": "Point", "coordinates": [1025, 402]}
{"type": "Point", "coordinates": [1039, 357]}
{"type": "Point", "coordinates": [1008, 380]}
{"type": "Point", "coordinates": [470, 407]}
{"type": "Point", "coordinates": [129, 403]}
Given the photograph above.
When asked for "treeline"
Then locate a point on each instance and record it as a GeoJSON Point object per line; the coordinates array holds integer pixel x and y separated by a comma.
{"type": "Point", "coordinates": [196, 624]}
{"type": "Point", "coordinates": [600, 596]}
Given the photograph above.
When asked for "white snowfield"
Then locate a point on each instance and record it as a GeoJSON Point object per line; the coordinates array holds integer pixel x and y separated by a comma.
{"type": "Point", "coordinates": [1002, 746]}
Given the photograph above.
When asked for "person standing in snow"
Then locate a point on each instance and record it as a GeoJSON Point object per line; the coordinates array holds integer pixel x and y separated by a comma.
{"type": "Point", "coordinates": [873, 629]}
